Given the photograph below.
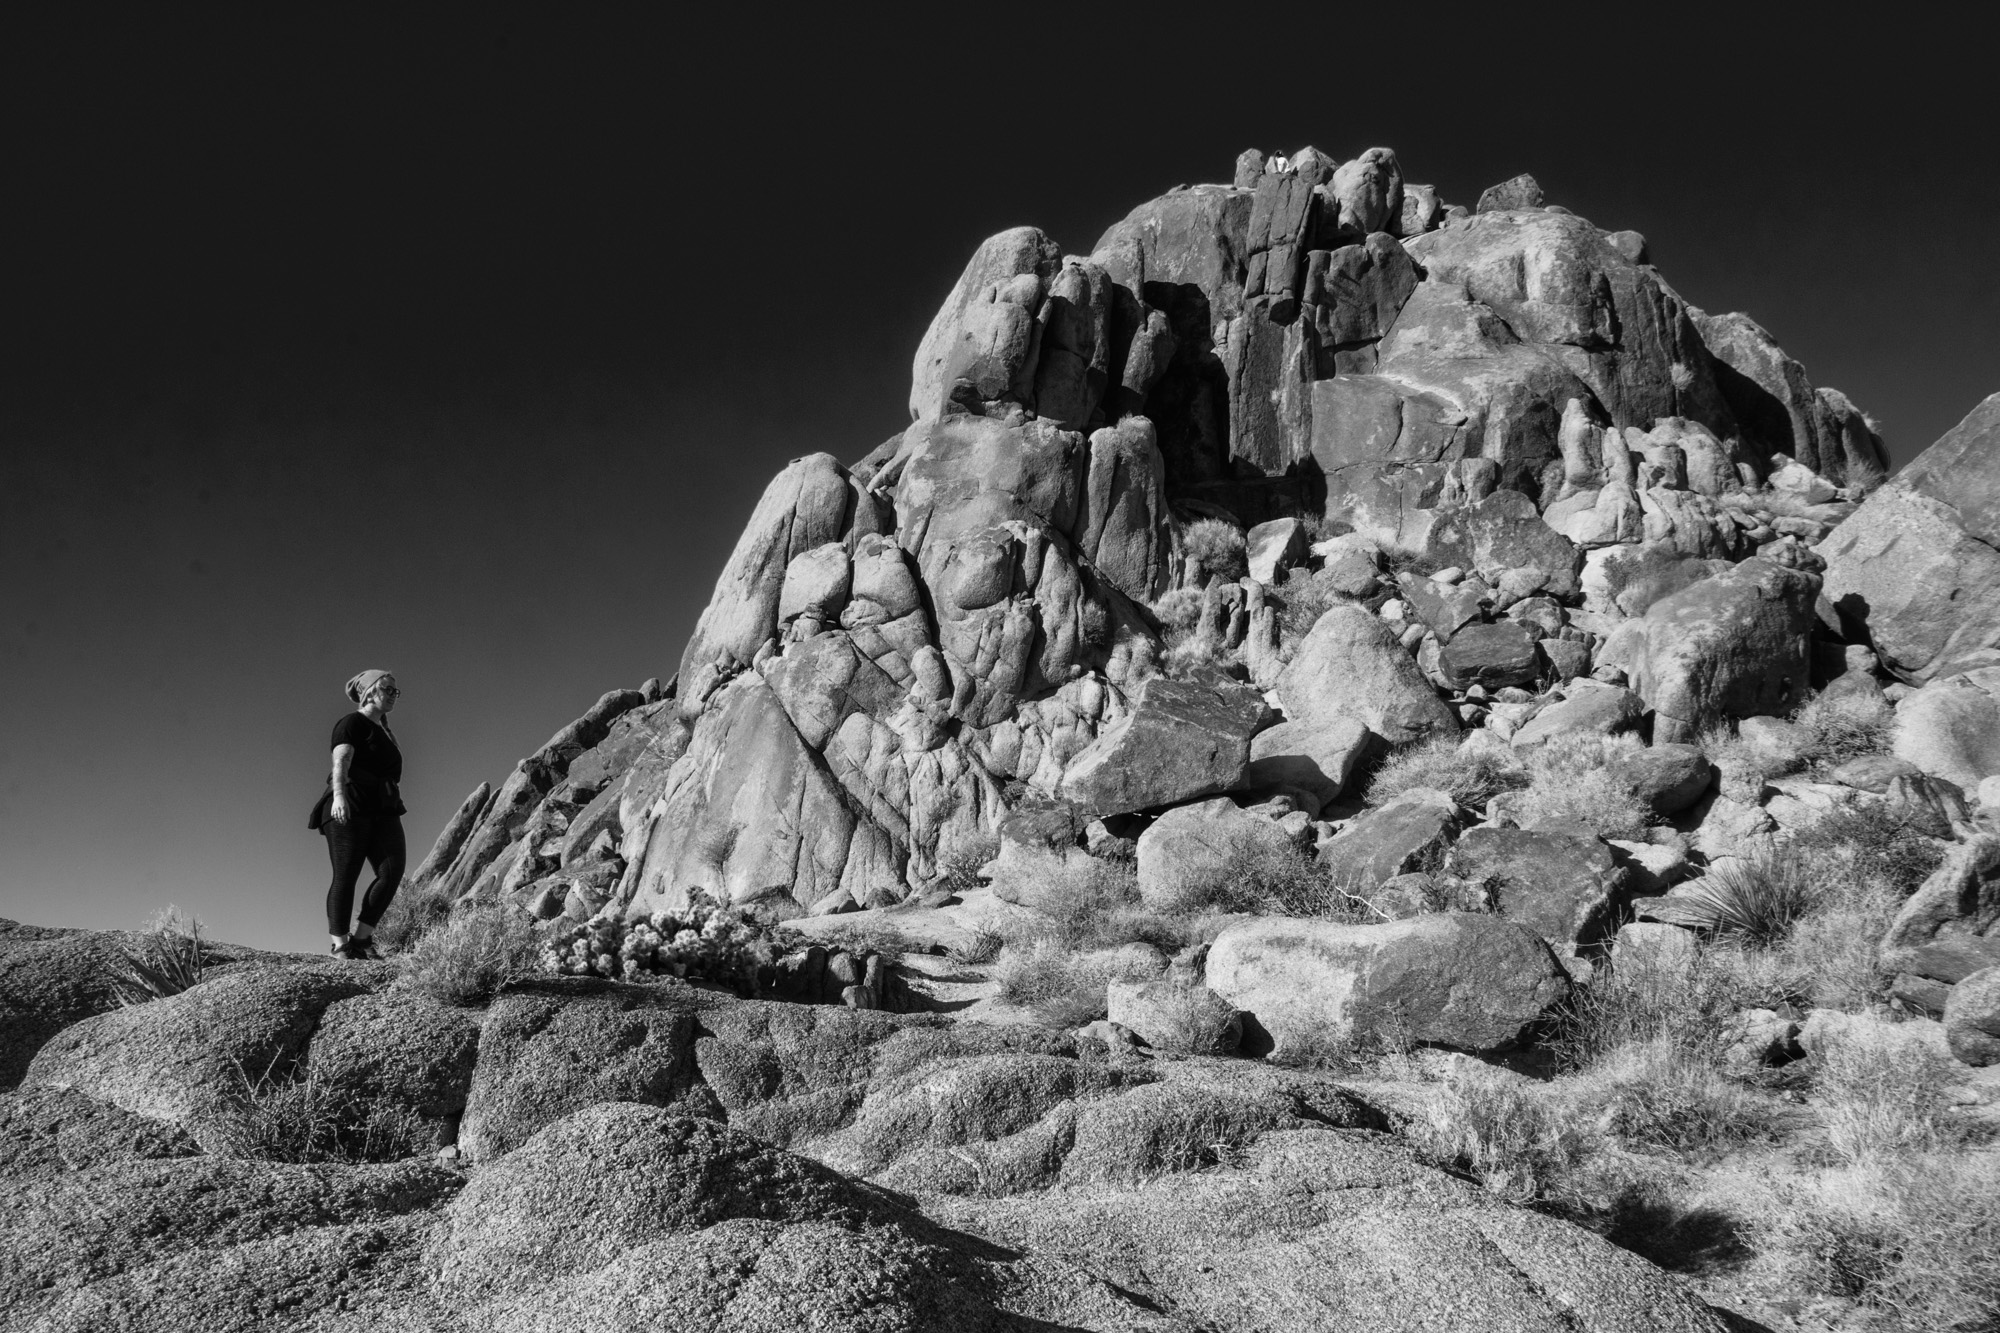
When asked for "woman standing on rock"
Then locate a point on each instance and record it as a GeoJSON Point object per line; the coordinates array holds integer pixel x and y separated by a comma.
{"type": "Point", "coordinates": [360, 814]}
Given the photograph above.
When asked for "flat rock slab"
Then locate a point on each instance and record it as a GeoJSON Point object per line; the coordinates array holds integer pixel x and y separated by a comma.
{"type": "Point", "coordinates": [1495, 656]}
{"type": "Point", "coordinates": [1947, 929]}
{"type": "Point", "coordinates": [1378, 845]}
{"type": "Point", "coordinates": [1587, 709]}
{"type": "Point", "coordinates": [1470, 982]}
{"type": "Point", "coordinates": [400, 1045]}
{"type": "Point", "coordinates": [1668, 778]}
{"type": "Point", "coordinates": [1562, 886]}
{"type": "Point", "coordinates": [1182, 739]}
{"type": "Point", "coordinates": [1318, 757]}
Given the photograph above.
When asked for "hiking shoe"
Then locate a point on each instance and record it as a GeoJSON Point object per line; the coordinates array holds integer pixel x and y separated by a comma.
{"type": "Point", "coordinates": [365, 949]}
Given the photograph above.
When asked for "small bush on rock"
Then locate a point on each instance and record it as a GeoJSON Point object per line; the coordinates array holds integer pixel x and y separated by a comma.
{"type": "Point", "coordinates": [1303, 597]}
{"type": "Point", "coordinates": [1179, 608]}
{"type": "Point", "coordinates": [709, 941]}
{"type": "Point", "coordinates": [1471, 774]}
{"type": "Point", "coordinates": [1569, 786]}
{"type": "Point", "coordinates": [413, 914]}
{"type": "Point", "coordinates": [473, 954]}
{"type": "Point", "coordinates": [1846, 727]}
{"type": "Point", "coordinates": [165, 961]}
{"type": "Point", "coordinates": [1082, 902]}
{"type": "Point", "coordinates": [308, 1119]}
{"type": "Point", "coordinates": [1215, 550]}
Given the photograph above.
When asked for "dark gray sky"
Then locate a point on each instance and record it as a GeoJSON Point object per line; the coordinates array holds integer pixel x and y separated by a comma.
{"type": "Point", "coordinates": [465, 350]}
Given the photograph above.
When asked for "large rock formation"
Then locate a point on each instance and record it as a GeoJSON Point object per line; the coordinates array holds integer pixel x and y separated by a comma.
{"type": "Point", "coordinates": [898, 651]}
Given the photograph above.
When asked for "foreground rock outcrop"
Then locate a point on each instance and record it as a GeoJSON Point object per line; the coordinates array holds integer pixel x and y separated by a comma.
{"type": "Point", "coordinates": [995, 605]}
{"type": "Point", "coordinates": [752, 1165]}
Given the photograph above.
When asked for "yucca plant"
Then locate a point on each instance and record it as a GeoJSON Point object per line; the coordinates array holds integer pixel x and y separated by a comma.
{"type": "Point", "coordinates": [1755, 900]}
{"type": "Point", "coordinates": [165, 961]}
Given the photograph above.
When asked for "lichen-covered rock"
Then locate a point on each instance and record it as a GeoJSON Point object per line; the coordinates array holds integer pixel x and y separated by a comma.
{"type": "Point", "coordinates": [1351, 666]}
{"type": "Point", "coordinates": [399, 1045]}
{"type": "Point", "coordinates": [1563, 886]}
{"type": "Point", "coordinates": [1378, 845]}
{"type": "Point", "coordinates": [1972, 1017]}
{"type": "Point", "coordinates": [1737, 644]}
{"type": "Point", "coordinates": [1181, 739]}
{"type": "Point", "coordinates": [1946, 929]}
{"type": "Point", "coordinates": [1471, 982]}
{"type": "Point", "coordinates": [1915, 571]}
{"type": "Point", "coordinates": [1587, 708]}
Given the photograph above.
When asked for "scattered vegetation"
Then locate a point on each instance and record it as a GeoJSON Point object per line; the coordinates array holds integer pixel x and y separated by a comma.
{"type": "Point", "coordinates": [165, 961]}
{"type": "Point", "coordinates": [473, 954]}
{"type": "Point", "coordinates": [1494, 1127]}
{"type": "Point", "coordinates": [1471, 774]}
{"type": "Point", "coordinates": [709, 940]}
{"type": "Point", "coordinates": [412, 914]}
{"type": "Point", "coordinates": [981, 946]}
{"type": "Point", "coordinates": [310, 1119]}
{"type": "Point", "coordinates": [1845, 726]}
{"type": "Point", "coordinates": [1916, 1239]}
{"type": "Point", "coordinates": [1084, 902]}
{"type": "Point", "coordinates": [1756, 899]}
{"type": "Point", "coordinates": [1180, 608]}
{"type": "Point", "coordinates": [1884, 1090]}
{"type": "Point", "coordinates": [1060, 987]}
{"type": "Point", "coordinates": [1189, 1019]}
{"type": "Point", "coordinates": [1303, 597]}
{"type": "Point", "coordinates": [1214, 550]}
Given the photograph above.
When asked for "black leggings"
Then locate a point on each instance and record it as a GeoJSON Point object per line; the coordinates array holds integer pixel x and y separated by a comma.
{"type": "Point", "coordinates": [376, 839]}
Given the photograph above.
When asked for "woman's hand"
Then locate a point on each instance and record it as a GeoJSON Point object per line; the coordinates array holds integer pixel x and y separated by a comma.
{"type": "Point", "coordinates": [338, 814]}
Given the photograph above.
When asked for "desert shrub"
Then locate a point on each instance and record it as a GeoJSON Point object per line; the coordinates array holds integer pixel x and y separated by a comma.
{"type": "Point", "coordinates": [1190, 651]}
{"type": "Point", "coordinates": [412, 914]}
{"type": "Point", "coordinates": [308, 1119]}
{"type": "Point", "coordinates": [1471, 774]}
{"type": "Point", "coordinates": [1189, 1019]}
{"type": "Point", "coordinates": [1303, 597]}
{"type": "Point", "coordinates": [1679, 1007]}
{"type": "Point", "coordinates": [1661, 1095]}
{"type": "Point", "coordinates": [1917, 1240]}
{"type": "Point", "coordinates": [1756, 899]}
{"type": "Point", "coordinates": [474, 953]}
{"type": "Point", "coordinates": [981, 946]}
{"type": "Point", "coordinates": [1871, 842]}
{"type": "Point", "coordinates": [1744, 767]}
{"type": "Point", "coordinates": [1568, 784]}
{"type": "Point", "coordinates": [1180, 608]}
{"type": "Point", "coordinates": [1502, 1131]}
{"type": "Point", "coordinates": [1315, 892]}
{"type": "Point", "coordinates": [164, 961]}
{"type": "Point", "coordinates": [1846, 727]}
{"type": "Point", "coordinates": [1249, 873]}
{"type": "Point", "coordinates": [1882, 1091]}
{"type": "Point", "coordinates": [708, 940]}
{"type": "Point", "coordinates": [1061, 988]}
{"type": "Point", "coordinates": [1215, 549]}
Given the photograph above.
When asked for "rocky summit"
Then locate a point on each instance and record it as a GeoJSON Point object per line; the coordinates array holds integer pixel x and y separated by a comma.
{"type": "Point", "coordinates": [1354, 759]}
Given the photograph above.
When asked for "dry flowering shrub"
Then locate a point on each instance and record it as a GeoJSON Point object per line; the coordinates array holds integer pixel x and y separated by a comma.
{"type": "Point", "coordinates": [708, 940]}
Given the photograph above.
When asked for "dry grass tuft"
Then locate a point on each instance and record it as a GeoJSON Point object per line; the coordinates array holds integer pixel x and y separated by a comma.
{"type": "Point", "coordinates": [1846, 727]}
{"type": "Point", "coordinates": [165, 961]}
{"type": "Point", "coordinates": [473, 954]}
{"type": "Point", "coordinates": [1499, 1130]}
{"type": "Point", "coordinates": [1471, 774]}
{"type": "Point", "coordinates": [1570, 786]}
{"type": "Point", "coordinates": [1215, 549]}
{"type": "Point", "coordinates": [1757, 899]}
{"type": "Point", "coordinates": [412, 914]}
{"type": "Point", "coordinates": [308, 1119]}
{"type": "Point", "coordinates": [1883, 1091]}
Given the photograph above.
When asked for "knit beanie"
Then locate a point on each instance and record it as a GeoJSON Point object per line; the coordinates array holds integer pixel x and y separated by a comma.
{"type": "Point", "coordinates": [357, 689]}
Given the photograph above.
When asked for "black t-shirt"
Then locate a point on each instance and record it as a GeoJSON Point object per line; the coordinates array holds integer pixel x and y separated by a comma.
{"type": "Point", "coordinates": [372, 775]}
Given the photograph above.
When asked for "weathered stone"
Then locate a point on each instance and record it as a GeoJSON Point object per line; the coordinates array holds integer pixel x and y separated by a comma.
{"type": "Point", "coordinates": [1667, 777]}
{"type": "Point", "coordinates": [1873, 772]}
{"type": "Point", "coordinates": [1351, 666]}
{"type": "Point", "coordinates": [1469, 982]}
{"type": "Point", "coordinates": [186, 1058]}
{"type": "Point", "coordinates": [1768, 392]}
{"type": "Point", "coordinates": [1367, 193]}
{"type": "Point", "coordinates": [1587, 709]}
{"type": "Point", "coordinates": [1125, 532]}
{"type": "Point", "coordinates": [1380, 844]}
{"type": "Point", "coordinates": [1181, 739]}
{"type": "Point", "coordinates": [1179, 1016]}
{"type": "Point", "coordinates": [1192, 852]}
{"type": "Point", "coordinates": [553, 1047]}
{"type": "Point", "coordinates": [1946, 929]}
{"type": "Point", "coordinates": [1519, 192]}
{"type": "Point", "coordinates": [1274, 547]}
{"type": "Point", "coordinates": [1950, 728]}
{"type": "Point", "coordinates": [1915, 571]}
{"type": "Point", "coordinates": [1317, 757]}
{"type": "Point", "coordinates": [1492, 656]}
{"type": "Point", "coordinates": [1732, 646]}
{"type": "Point", "coordinates": [1501, 532]}
{"type": "Point", "coordinates": [1563, 886]}
{"type": "Point", "coordinates": [985, 332]}
{"type": "Point", "coordinates": [1972, 1018]}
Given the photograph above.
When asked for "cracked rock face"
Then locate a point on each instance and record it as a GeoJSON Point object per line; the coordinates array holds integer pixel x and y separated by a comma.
{"type": "Point", "coordinates": [976, 608]}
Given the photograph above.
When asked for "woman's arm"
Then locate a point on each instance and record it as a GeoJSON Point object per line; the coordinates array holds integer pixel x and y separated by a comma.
{"type": "Point", "coordinates": [343, 759]}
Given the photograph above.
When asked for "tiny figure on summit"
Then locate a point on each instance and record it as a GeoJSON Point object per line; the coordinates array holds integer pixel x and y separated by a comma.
{"type": "Point", "coordinates": [360, 814]}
